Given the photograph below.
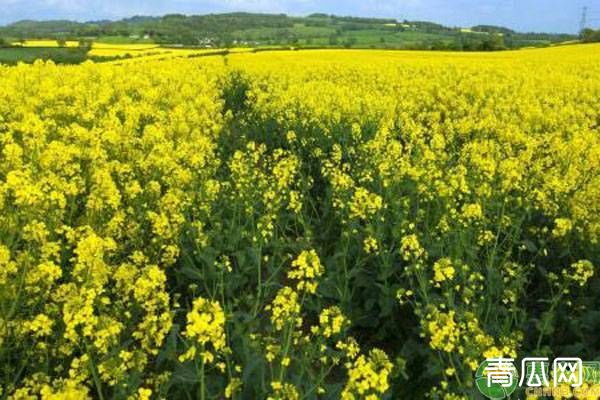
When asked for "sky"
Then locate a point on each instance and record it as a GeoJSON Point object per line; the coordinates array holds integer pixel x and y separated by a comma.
{"type": "Point", "coordinates": [522, 15]}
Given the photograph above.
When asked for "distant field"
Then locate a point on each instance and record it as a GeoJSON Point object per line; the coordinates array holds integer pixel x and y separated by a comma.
{"type": "Point", "coordinates": [124, 46]}
{"type": "Point", "coordinates": [120, 48]}
{"type": "Point", "coordinates": [13, 55]}
{"type": "Point", "coordinates": [323, 36]}
{"type": "Point", "coordinates": [263, 30]}
{"type": "Point", "coordinates": [299, 31]}
{"type": "Point", "coordinates": [102, 52]}
{"type": "Point", "coordinates": [125, 50]}
{"type": "Point", "coordinates": [129, 52]}
{"type": "Point", "coordinates": [399, 38]}
{"type": "Point", "coordinates": [125, 40]}
{"type": "Point", "coordinates": [378, 39]}
{"type": "Point", "coordinates": [46, 43]}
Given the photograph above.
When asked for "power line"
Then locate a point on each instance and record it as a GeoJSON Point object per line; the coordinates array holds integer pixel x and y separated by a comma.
{"type": "Point", "coordinates": [583, 21]}
{"type": "Point", "coordinates": [589, 19]}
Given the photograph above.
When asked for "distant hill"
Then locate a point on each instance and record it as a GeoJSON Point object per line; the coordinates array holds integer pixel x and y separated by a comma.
{"type": "Point", "coordinates": [255, 30]}
{"type": "Point", "coordinates": [493, 29]}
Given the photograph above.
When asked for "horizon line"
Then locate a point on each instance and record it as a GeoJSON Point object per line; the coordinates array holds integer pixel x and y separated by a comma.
{"type": "Point", "coordinates": [291, 15]}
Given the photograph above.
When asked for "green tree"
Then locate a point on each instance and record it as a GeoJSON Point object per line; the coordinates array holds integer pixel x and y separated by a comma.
{"type": "Point", "coordinates": [351, 41]}
{"type": "Point", "coordinates": [589, 35]}
{"type": "Point", "coordinates": [493, 42]}
{"type": "Point", "coordinates": [85, 44]}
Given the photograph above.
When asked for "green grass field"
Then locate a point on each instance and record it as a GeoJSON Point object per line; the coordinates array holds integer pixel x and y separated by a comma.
{"type": "Point", "coordinates": [320, 36]}
{"type": "Point", "coordinates": [125, 40]}
{"type": "Point", "coordinates": [14, 55]}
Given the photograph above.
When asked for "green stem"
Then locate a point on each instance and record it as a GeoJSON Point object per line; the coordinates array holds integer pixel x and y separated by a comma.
{"type": "Point", "coordinates": [286, 348]}
{"type": "Point", "coordinates": [289, 332]}
{"type": "Point", "coordinates": [322, 377]}
{"type": "Point", "coordinates": [555, 301]}
{"type": "Point", "coordinates": [202, 382]}
{"type": "Point", "coordinates": [95, 375]}
{"type": "Point", "coordinates": [258, 282]}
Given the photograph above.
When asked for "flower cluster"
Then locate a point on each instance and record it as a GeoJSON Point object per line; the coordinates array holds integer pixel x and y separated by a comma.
{"type": "Point", "coordinates": [306, 269]}
{"type": "Point", "coordinates": [285, 309]}
{"type": "Point", "coordinates": [368, 376]}
{"type": "Point", "coordinates": [205, 326]}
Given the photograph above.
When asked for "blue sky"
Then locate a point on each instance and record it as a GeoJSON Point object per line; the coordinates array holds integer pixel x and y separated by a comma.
{"type": "Point", "coordinates": [523, 15]}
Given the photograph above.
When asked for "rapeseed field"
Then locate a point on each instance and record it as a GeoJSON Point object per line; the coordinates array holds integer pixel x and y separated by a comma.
{"type": "Point", "coordinates": [317, 224]}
